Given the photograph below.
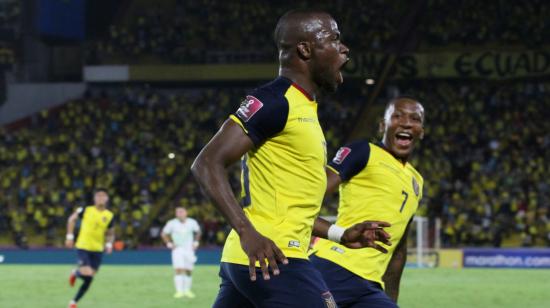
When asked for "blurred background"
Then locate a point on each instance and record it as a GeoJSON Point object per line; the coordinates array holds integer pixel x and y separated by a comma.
{"type": "Point", "coordinates": [123, 95]}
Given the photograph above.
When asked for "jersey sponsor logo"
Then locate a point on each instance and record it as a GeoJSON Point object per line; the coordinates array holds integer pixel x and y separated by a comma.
{"type": "Point", "coordinates": [306, 120]}
{"type": "Point", "coordinates": [416, 187]}
{"type": "Point", "coordinates": [294, 244]}
{"type": "Point", "coordinates": [249, 107]}
{"type": "Point", "coordinates": [329, 300]}
{"type": "Point", "coordinates": [341, 155]}
{"type": "Point", "coordinates": [337, 249]}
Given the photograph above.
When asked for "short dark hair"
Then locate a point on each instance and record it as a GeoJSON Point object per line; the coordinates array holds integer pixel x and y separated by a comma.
{"type": "Point", "coordinates": [101, 189]}
{"type": "Point", "coordinates": [392, 101]}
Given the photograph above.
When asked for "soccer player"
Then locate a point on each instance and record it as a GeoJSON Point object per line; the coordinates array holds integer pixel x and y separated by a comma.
{"type": "Point", "coordinates": [376, 182]}
{"type": "Point", "coordinates": [277, 133]}
{"type": "Point", "coordinates": [96, 235]}
{"type": "Point", "coordinates": [182, 235]}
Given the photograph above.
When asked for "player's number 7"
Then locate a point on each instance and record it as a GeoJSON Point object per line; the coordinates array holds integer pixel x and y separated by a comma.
{"type": "Point", "coordinates": [404, 201]}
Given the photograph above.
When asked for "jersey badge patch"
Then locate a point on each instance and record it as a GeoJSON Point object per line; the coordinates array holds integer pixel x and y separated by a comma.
{"type": "Point", "coordinates": [249, 107]}
{"type": "Point", "coordinates": [416, 187]}
{"type": "Point", "coordinates": [341, 155]}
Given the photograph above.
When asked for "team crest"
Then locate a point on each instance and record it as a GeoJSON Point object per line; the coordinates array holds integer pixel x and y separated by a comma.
{"type": "Point", "coordinates": [249, 107]}
{"type": "Point", "coordinates": [341, 155]}
{"type": "Point", "coordinates": [416, 187]}
{"type": "Point", "coordinates": [329, 300]}
{"type": "Point", "coordinates": [104, 219]}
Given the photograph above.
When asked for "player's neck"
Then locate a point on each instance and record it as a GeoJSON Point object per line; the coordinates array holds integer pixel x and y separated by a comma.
{"type": "Point", "coordinates": [303, 81]}
{"type": "Point", "coordinates": [100, 207]}
{"type": "Point", "coordinates": [400, 159]}
{"type": "Point", "coordinates": [182, 220]}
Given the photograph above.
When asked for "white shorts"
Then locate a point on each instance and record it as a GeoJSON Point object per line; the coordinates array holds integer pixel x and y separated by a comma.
{"type": "Point", "coordinates": [183, 259]}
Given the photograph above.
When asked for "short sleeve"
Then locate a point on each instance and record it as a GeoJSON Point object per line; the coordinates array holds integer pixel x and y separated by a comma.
{"type": "Point", "coordinates": [351, 159]}
{"type": "Point", "coordinates": [80, 212]}
{"type": "Point", "coordinates": [167, 228]}
{"type": "Point", "coordinates": [111, 223]}
{"type": "Point", "coordinates": [196, 227]}
{"type": "Point", "coordinates": [262, 115]}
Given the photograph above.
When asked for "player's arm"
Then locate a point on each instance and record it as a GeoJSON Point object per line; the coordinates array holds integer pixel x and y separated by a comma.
{"type": "Point", "coordinates": [210, 170]}
{"type": "Point", "coordinates": [71, 222]}
{"type": "Point", "coordinates": [197, 239]}
{"type": "Point", "coordinates": [364, 234]}
{"type": "Point", "coordinates": [392, 277]}
{"type": "Point", "coordinates": [167, 239]}
{"type": "Point", "coordinates": [166, 235]}
{"type": "Point", "coordinates": [109, 239]}
{"type": "Point", "coordinates": [110, 236]}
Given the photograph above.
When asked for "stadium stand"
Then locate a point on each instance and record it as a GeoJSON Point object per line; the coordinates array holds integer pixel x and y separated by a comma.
{"type": "Point", "coordinates": [120, 141]}
{"type": "Point", "coordinates": [202, 31]}
{"type": "Point", "coordinates": [488, 187]}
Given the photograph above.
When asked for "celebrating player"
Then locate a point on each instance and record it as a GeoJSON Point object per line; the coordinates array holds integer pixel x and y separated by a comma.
{"type": "Point", "coordinates": [277, 133]}
{"type": "Point", "coordinates": [97, 234]}
{"type": "Point", "coordinates": [182, 235]}
{"type": "Point", "coordinates": [376, 182]}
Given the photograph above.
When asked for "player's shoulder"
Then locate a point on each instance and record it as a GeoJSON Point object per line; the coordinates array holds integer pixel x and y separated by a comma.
{"type": "Point", "coordinates": [359, 148]}
{"type": "Point", "coordinates": [270, 97]}
{"type": "Point", "coordinates": [192, 220]}
{"type": "Point", "coordinates": [273, 91]}
{"type": "Point", "coordinates": [83, 209]}
{"type": "Point", "coordinates": [172, 221]}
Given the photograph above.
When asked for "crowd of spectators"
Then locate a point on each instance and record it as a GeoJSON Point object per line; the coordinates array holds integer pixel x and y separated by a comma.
{"type": "Point", "coordinates": [122, 143]}
{"type": "Point", "coordinates": [235, 31]}
{"type": "Point", "coordinates": [472, 22]}
{"type": "Point", "coordinates": [209, 31]}
{"type": "Point", "coordinates": [121, 140]}
{"type": "Point", "coordinates": [485, 160]}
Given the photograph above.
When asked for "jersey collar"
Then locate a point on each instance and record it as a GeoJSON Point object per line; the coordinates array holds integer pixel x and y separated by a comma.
{"type": "Point", "coordinates": [402, 162]}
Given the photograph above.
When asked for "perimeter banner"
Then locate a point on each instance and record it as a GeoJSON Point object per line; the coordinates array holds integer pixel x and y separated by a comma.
{"type": "Point", "coordinates": [507, 258]}
{"type": "Point", "coordinates": [480, 64]}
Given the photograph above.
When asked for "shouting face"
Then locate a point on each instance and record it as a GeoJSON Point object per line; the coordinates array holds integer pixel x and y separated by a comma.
{"type": "Point", "coordinates": [402, 126]}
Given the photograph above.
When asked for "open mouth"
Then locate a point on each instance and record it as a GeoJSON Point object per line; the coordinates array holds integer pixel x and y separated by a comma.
{"type": "Point", "coordinates": [404, 139]}
{"type": "Point", "coordinates": [340, 76]}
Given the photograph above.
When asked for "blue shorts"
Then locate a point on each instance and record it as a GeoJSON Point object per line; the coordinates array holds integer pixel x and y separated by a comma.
{"type": "Point", "coordinates": [89, 258]}
{"type": "Point", "coordinates": [350, 290]}
{"type": "Point", "coordinates": [298, 285]}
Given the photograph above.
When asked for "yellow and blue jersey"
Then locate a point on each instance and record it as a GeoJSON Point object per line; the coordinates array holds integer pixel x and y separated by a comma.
{"type": "Point", "coordinates": [283, 177]}
{"type": "Point", "coordinates": [375, 186]}
{"type": "Point", "coordinates": [94, 224]}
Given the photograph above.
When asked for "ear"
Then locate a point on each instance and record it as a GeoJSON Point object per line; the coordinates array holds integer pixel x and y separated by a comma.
{"type": "Point", "coordinates": [304, 50]}
{"type": "Point", "coordinates": [422, 134]}
{"type": "Point", "coordinates": [381, 127]}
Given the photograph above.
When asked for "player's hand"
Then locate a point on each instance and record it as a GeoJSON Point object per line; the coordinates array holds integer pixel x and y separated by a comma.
{"type": "Point", "coordinates": [69, 243]}
{"type": "Point", "coordinates": [109, 248]}
{"type": "Point", "coordinates": [366, 234]}
{"type": "Point", "coordinates": [259, 248]}
{"type": "Point", "coordinates": [170, 245]}
{"type": "Point", "coordinates": [196, 245]}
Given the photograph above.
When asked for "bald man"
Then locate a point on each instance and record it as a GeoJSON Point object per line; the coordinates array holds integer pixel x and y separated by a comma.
{"type": "Point", "coordinates": [277, 136]}
{"type": "Point", "coordinates": [376, 182]}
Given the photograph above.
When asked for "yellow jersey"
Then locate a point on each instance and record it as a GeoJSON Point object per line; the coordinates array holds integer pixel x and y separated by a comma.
{"type": "Point", "coordinates": [283, 178]}
{"type": "Point", "coordinates": [375, 186]}
{"type": "Point", "coordinates": [94, 223]}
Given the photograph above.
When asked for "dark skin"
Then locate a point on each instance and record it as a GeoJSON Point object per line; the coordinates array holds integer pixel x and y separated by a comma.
{"type": "Point", "coordinates": [309, 43]}
{"type": "Point", "coordinates": [402, 127]}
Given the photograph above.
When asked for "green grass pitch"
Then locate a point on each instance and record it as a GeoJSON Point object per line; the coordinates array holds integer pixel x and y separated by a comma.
{"type": "Point", "coordinates": [46, 286]}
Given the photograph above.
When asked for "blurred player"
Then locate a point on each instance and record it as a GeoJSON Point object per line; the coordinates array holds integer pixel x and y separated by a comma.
{"type": "Point", "coordinates": [376, 182]}
{"type": "Point", "coordinates": [277, 134]}
{"type": "Point", "coordinates": [97, 234]}
{"type": "Point", "coordinates": [182, 235]}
